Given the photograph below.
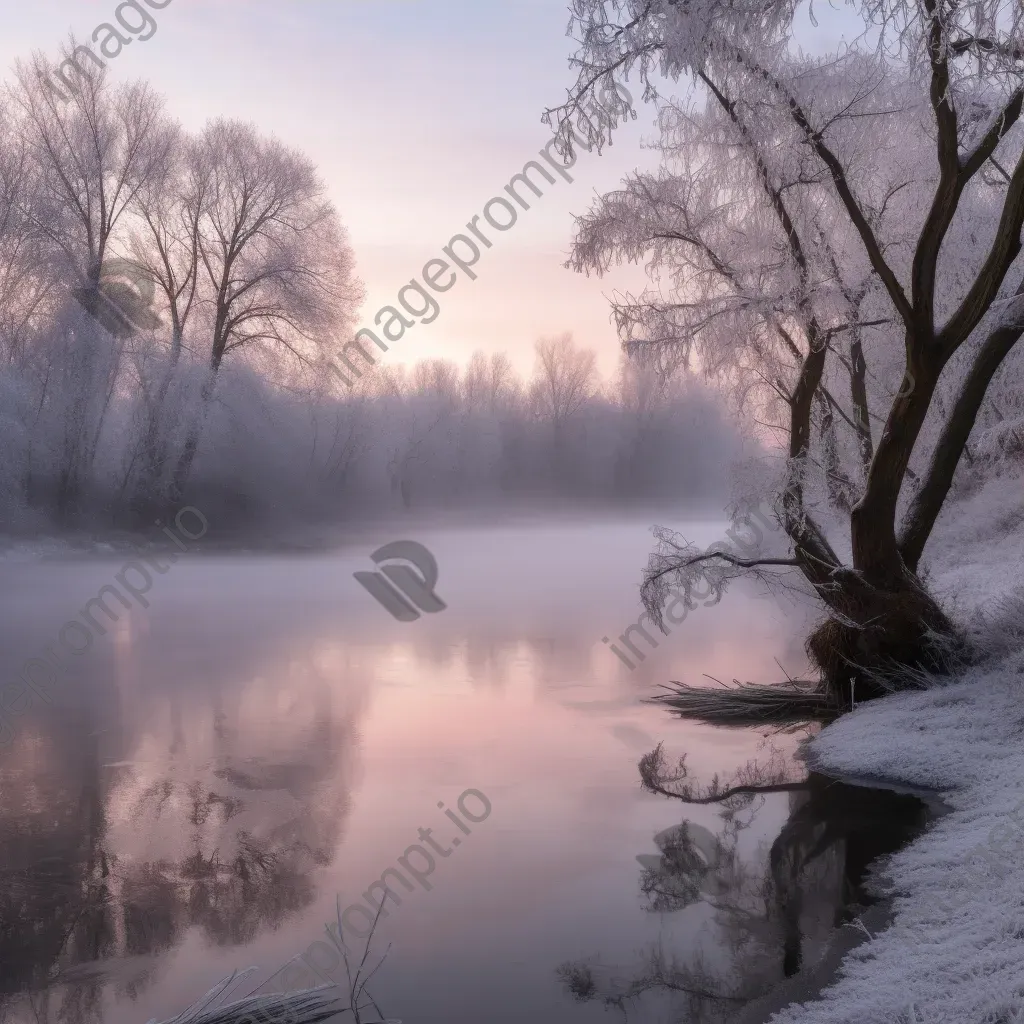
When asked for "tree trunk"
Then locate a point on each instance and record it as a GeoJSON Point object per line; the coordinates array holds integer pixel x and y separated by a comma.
{"type": "Point", "coordinates": [873, 520]}
{"type": "Point", "coordinates": [884, 622]}
{"type": "Point", "coordinates": [859, 397]}
{"type": "Point", "coordinates": [883, 634]}
{"type": "Point", "coordinates": [188, 453]}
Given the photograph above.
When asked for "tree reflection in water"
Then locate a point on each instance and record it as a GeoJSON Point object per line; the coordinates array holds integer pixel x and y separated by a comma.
{"type": "Point", "coordinates": [772, 914]}
{"type": "Point", "coordinates": [225, 835]}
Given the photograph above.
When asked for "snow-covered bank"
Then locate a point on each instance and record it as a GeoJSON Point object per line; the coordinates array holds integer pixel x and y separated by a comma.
{"type": "Point", "coordinates": [954, 953]}
{"type": "Point", "coordinates": [955, 950]}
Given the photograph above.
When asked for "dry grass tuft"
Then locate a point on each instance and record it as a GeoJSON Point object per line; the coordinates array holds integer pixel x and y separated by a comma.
{"type": "Point", "coordinates": [748, 703]}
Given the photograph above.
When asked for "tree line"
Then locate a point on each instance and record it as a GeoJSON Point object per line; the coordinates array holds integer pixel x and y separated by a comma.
{"type": "Point", "coordinates": [169, 305]}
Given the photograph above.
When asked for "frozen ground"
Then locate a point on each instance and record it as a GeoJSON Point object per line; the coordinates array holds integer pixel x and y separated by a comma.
{"type": "Point", "coordinates": [954, 953]}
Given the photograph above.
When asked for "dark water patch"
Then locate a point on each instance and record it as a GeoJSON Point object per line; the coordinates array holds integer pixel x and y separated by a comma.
{"type": "Point", "coordinates": [779, 918]}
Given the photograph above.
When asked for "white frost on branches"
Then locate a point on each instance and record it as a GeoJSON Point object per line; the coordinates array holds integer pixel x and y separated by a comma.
{"type": "Point", "coordinates": [824, 235]}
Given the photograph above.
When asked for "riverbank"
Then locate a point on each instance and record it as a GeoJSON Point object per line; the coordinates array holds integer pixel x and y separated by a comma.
{"type": "Point", "coordinates": [953, 951]}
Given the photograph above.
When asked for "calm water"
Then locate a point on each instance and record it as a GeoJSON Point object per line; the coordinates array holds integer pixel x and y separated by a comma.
{"type": "Point", "coordinates": [264, 739]}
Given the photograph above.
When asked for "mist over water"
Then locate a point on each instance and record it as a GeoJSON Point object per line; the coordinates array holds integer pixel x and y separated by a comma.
{"type": "Point", "coordinates": [266, 739]}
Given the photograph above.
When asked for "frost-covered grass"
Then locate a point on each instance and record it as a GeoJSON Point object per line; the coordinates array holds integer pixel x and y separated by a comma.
{"type": "Point", "coordinates": [954, 953]}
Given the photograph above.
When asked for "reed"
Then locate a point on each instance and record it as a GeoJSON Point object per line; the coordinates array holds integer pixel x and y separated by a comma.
{"type": "Point", "coordinates": [747, 703]}
{"type": "Point", "coordinates": [309, 1006]}
{"type": "Point", "coordinates": [303, 1006]}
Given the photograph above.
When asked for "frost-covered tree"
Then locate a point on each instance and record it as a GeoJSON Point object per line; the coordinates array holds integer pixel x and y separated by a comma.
{"type": "Point", "coordinates": [826, 218]}
{"type": "Point", "coordinates": [276, 262]}
{"type": "Point", "coordinates": [83, 160]}
{"type": "Point", "coordinates": [564, 377]}
{"type": "Point", "coordinates": [277, 271]}
{"type": "Point", "coordinates": [89, 156]}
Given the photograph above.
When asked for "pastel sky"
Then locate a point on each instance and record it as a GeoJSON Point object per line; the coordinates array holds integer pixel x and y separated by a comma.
{"type": "Point", "coordinates": [417, 113]}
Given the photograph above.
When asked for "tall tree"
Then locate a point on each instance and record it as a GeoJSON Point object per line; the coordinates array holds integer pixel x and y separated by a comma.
{"type": "Point", "coordinates": [88, 155]}
{"type": "Point", "coordinates": [878, 210]}
{"type": "Point", "coordinates": [277, 270]}
{"type": "Point", "coordinates": [91, 154]}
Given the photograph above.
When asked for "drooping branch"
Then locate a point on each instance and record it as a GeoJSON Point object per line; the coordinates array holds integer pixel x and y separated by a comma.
{"type": "Point", "coordinates": [657, 777]}
{"type": "Point", "coordinates": [815, 139]}
{"type": "Point", "coordinates": [740, 563]}
{"type": "Point", "coordinates": [686, 564]}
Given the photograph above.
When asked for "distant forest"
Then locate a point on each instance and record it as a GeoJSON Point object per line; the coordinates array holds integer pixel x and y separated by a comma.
{"type": "Point", "coordinates": [170, 305]}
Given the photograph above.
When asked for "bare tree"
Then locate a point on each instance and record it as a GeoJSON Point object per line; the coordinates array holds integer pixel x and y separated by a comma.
{"type": "Point", "coordinates": [91, 154]}
{"type": "Point", "coordinates": [278, 273]}
{"type": "Point", "coordinates": [880, 148]}
{"type": "Point", "coordinates": [564, 378]}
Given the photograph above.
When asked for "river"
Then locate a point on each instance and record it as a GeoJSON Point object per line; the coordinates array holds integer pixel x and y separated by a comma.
{"type": "Point", "coordinates": [227, 766]}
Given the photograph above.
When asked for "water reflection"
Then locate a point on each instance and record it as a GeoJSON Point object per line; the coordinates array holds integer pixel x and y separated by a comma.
{"type": "Point", "coordinates": [772, 912]}
{"type": "Point", "coordinates": [123, 834]}
{"type": "Point", "coordinates": [216, 771]}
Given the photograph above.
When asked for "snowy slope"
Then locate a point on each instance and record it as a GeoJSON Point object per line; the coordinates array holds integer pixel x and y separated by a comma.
{"type": "Point", "coordinates": [955, 951]}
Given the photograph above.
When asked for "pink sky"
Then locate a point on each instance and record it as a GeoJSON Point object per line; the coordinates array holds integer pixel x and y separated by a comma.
{"type": "Point", "coordinates": [417, 113]}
